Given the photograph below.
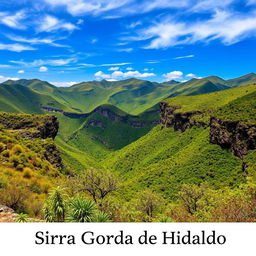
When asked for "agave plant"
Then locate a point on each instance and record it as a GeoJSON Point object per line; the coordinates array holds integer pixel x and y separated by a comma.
{"type": "Point", "coordinates": [22, 218]}
{"type": "Point", "coordinates": [81, 210]}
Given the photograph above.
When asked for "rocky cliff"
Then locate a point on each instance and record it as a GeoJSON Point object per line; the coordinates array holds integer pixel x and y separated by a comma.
{"type": "Point", "coordinates": [179, 121]}
{"type": "Point", "coordinates": [31, 127]}
{"type": "Point", "coordinates": [233, 135]}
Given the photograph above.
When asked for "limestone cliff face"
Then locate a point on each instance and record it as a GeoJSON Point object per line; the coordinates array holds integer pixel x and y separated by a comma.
{"type": "Point", "coordinates": [233, 135]}
{"type": "Point", "coordinates": [179, 121]}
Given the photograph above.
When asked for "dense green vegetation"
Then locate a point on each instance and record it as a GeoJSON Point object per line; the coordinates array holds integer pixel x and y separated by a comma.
{"type": "Point", "coordinates": [132, 95]}
{"type": "Point", "coordinates": [117, 164]}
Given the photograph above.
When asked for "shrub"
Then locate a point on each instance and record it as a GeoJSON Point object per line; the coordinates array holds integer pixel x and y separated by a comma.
{"type": "Point", "coordinates": [6, 153]}
{"type": "Point", "coordinates": [20, 167]}
{"type": "Point", "coordinates": [15, 160]}
{"type": "Point", "coordinates": [2, 147]}
{"type": "Point", "coordinates": [17, 149]}
{"type": "Point", "coordinates": [28, 173]}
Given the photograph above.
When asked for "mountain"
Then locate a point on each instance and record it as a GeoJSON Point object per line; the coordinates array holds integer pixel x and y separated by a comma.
{"type": "Point", "coordinates": [243, 80]}
{"type": "Point", "coordinates": [20, 99]}
{"type": "Point", "coordinates": [194, 138]}
{"type": "Point", "coordinates": [133, 96]}
{"type": "Point", "coordinates": [207, 138]}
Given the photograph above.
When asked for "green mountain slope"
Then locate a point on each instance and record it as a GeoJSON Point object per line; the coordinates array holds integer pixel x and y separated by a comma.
{"type": "Point", "coordinates": [243, 80]}
{"type": "Point", "coordinates": [133, 96]}
{"type": "Point", "coordinates": [20, 99]}
{"type": "Point", "coordinates": [164, 159]}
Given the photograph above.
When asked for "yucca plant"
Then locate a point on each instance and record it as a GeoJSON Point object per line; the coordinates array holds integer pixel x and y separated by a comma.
{"type": "Point", "coordinates": [81, 210]}
{"type": "Point", "coordinates": [55, 207]}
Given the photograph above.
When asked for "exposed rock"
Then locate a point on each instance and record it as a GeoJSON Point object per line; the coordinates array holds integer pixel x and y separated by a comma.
{"type": "Point", "coordinates": [7, 214]}
{"type": "Point", "coordinates": [179, 121]}
{"type": "Point", "coordinates": [233, 135]}
{"type": "Point", "coordinates": [52, 154]}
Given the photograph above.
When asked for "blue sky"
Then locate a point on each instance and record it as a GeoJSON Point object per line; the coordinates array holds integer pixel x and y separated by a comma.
{"type": "Point", "coordinates": [69, 41]}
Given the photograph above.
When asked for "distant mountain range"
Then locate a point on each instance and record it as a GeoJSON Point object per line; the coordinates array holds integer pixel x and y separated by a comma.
{"type": "Point", "coordinates": [133, 96]}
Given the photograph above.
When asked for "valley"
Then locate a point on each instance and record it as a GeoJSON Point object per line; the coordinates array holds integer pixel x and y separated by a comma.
{"type": "Point", "coordinates": [159, 140]}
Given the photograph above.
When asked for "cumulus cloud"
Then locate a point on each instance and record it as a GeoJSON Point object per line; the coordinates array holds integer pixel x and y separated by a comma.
{"type": "Point", "coordinates": [43, 69]}
{"type": "Point", "coordinates": [129, 68]}
{"type": "Point", "coordinates": [16, 47]}
{"type": "Point", "coordinates": [64, 84]}
{"type": "Point", "coordinates": [50, 23]}
{"type": "Point", "coordinates": [21, 72]}
{"type": "Point", "coordinates": [191, 75]}
{"type": "Point", "coordinates": [173, 75]}
{"type": "Point", "coordinates": [122, 75]}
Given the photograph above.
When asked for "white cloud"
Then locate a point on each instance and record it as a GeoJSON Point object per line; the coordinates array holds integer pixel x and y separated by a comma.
{"type": "Point", "coordinates": [173, 75]}
{"type": "Point", "coordinates": [16, 47]}
{"type": "Point", "coordinates": [94, 40]}
{"type": "Point", "coordinates": [47, 41]}
{"type": "Point", "coordinates": [37, 63]}
{"type": "Point", "coordinates": [125, 50]}
{"type": "Point", "coordinates": [102, 75]}
{"type": "Point", "coordinates": [129, 68]}
{"type": "Point", "coordinates": [13, 21]}
{"type": "Point", "coordinates": [88, 65]}
{"type": "Point", "coordinates": [184, 57]}
{"type": "Point", "coordinates": [4, 66]}
{"type": "Point", "coordinates": [4, 78]}
{"type": "Point", "coordinates": [113, 69]}
{"type": "Point", "coordinates": [226, 26]}
{"type": "Point", "coordinates": [81, 7]}
{"type": "Point", "coordinates": [191, 75]}
{"type": "Point", "coordinates": [120, 75]}
{"type": "Point", "coordinates": [115, 64]}
{"type": "Point", "coordinates": [80, 22]}
{"type": "Point", "coordinates": [64, 84]}
{"type": "Point", "coordinates": [50, 23]}
{"type": "Point", "coordinates": [21, 72]}
{"type": "Point", "coordinates": [43, 69]}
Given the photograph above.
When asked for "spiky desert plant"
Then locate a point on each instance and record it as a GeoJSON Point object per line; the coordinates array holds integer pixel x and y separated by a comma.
{"type": "Point", "coordinates": [81, 210]}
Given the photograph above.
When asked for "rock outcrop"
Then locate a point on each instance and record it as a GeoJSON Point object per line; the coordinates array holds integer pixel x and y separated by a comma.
{"type": "Point", "coordinates": [7, 214]}
{"type": "Point", "coordinates": [233, 135]}
{"type": "Point", "coordinates": [179, 121]}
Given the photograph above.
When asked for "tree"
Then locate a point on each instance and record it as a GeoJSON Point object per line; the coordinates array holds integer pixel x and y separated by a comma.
{"type": "Point", "coordinates": [55, 207]}
{"type": "Point", "coordinates": [149, 202]}
{"type": "Point", "coordinates": [98, 183]}
{"type": "Point", "coordinates": [81, 210]}
{"type": "Point", "coordinates": [190, 196]}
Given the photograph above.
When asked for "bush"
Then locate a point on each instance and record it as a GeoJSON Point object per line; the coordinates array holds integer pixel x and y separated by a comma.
{"type": "Point", "coordinates": [15, 160]}
{"type": "Point", "coordinates": [2, 147]}
{"type": "Point", "coordinates": [28, 173]}
{"type": "Point", "coordinates": [17, 149]}
{"type": "Point", "coordinates": [6, 153]}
